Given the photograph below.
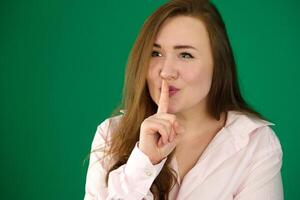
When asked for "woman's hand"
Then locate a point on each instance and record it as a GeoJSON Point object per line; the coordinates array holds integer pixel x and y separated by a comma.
{"type": "Point", "coordinates": [161, 132]}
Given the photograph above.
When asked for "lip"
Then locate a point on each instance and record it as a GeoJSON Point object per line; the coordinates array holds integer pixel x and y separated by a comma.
{"type": "Point", "coordinates": [172, 90]}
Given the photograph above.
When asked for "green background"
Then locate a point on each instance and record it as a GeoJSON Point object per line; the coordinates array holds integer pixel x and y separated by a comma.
{"type": "Point", "coordinates": [62, 69]}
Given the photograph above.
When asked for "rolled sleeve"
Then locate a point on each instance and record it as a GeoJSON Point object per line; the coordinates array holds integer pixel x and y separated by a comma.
{"type": "Point", "coordinates": [133, 180]}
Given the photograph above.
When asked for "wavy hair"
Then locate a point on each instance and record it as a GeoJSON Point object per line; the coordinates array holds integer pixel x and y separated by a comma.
{"type": "Point", "coordinates": [224, 94]}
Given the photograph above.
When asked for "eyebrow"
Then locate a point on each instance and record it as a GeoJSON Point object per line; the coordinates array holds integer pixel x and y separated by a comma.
{"type": "Point", "coordinates": [177, 46]}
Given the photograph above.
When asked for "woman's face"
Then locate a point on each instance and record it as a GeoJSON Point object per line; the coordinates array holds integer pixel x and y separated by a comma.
{"type": "Point", "coordinates": [182, 56]}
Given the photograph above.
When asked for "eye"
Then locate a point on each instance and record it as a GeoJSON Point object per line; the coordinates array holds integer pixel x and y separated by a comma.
{"type": "Point", "coordinates": [155, 53]}
{"type": "Point", "coordinates": [186, 55]}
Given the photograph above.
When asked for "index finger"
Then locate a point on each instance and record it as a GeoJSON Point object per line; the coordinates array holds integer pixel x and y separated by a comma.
{"type": "Point", "coordinates": [164, 98]}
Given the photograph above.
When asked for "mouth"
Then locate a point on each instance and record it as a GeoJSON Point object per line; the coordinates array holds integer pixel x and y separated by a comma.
{"type": "Point", "coordinates": [172, 90]}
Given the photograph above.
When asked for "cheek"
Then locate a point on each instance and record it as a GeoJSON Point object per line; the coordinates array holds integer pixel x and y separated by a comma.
{"type": "Point", "coordinates": [150, 79]}
{"type": "Point", "coordinates": [199, 78]}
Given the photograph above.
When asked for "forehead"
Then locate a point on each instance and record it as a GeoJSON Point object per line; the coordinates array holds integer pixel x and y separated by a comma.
{"type": "Point", "coordinates": [182, 30]}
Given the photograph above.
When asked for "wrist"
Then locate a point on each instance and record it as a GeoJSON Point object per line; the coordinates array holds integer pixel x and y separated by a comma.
{"type": "Point", "coordinates": [153, 161]}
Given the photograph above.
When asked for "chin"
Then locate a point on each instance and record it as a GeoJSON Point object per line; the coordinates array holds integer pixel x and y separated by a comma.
{"type": "Point", "coordinates": [173, 110]}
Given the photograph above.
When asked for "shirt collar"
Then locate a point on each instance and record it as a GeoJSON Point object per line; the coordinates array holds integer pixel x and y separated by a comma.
{"type": "Point", "coordinates": [240, 126]}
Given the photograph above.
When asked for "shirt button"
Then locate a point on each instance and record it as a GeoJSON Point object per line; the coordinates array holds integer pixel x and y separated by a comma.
{"type": "Point", "coordinates": [149, 173]}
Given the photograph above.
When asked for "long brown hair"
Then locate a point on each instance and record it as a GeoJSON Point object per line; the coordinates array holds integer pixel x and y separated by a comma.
{"type": "Point", "coordinates": [224, 94]}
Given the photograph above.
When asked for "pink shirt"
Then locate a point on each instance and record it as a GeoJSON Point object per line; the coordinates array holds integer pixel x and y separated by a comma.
{"type": "Point", "coordinates": [242, 162]}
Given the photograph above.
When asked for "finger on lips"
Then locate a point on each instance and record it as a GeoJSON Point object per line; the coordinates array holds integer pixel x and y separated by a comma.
{"type": "Point", "coordinates": [162, 112]}
{"type": "Point", "coordinates": [164, 98]}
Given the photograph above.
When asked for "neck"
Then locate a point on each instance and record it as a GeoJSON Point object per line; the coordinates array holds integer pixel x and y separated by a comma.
{"type": "Point", "coordinates": [199, 123]}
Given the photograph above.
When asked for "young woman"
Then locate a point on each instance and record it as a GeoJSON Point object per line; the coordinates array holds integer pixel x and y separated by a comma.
{"type": "Point", "coordinates": [186, 132]}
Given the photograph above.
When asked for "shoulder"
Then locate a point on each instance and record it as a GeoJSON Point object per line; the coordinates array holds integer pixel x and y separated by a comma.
{"type": "Point", "coordinates": [251, 131]}
{"type": "Point", "coordinates": [108, 124]}
{"type": "Point", "coordinates": [259, 155]}
{"type": "Point", "coordinates": [104, 130]}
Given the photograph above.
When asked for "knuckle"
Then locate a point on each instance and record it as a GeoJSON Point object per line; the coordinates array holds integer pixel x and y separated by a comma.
{"type": "Point", "coordinates": [170, 117]}
{"type": "Point", "coordinates": [164, 127]}
{"type": "Point", "coordinates": [173, 117]}
{"type": "Point", "coordinates": [169, 127]}
{"type": "Point", "coordinates": [166, 132]}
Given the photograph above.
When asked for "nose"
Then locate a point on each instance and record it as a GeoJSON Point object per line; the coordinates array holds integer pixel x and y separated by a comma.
{"type": "Point", "coordinates": [168, 70]}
